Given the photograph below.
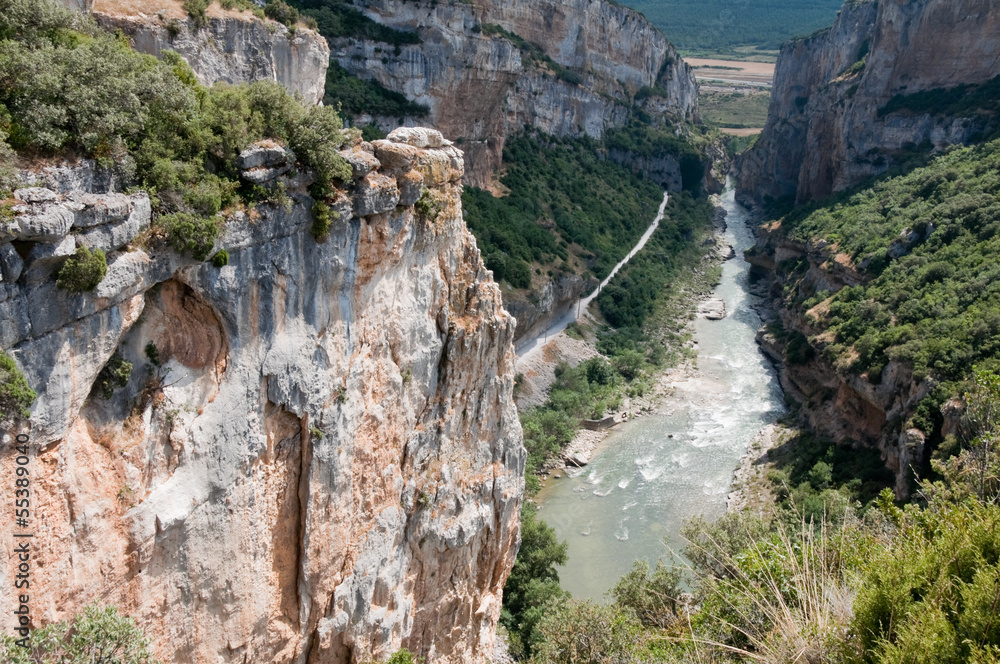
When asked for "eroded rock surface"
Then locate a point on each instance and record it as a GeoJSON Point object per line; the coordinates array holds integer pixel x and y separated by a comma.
{"type": "Point", "coordinates": [830, 125]}
{"type": "Point", "coordinates": [479, 87]}
{"type": "Point", "coordinates": [316, 457]}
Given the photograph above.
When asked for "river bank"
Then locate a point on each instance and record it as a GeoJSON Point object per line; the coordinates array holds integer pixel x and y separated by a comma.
{"type": "Point", "coordinates": [674, 456]}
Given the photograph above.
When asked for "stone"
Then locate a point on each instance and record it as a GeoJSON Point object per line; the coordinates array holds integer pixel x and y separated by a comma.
{"type": "Point", "coordinates": [362, 161]}
{"type": "Point", "coordinates": [375, 194]}
{"type": "Point", "coordinates": [98, 209]}
{"type": "Point", "coordinates": [233, 49]}
{"type": "Point", "coordinates": [411, 186]}
{"type": "Point", "coordinates": [712, 309]}
{"type": "Point", "coordinates": [10, 263]}
{"type": "Point", "coordinates": [418, 137]}
{"type": "Point", "coordinates": [395, 156]}
{"type": "Point", "coordinates": [35, 195]}
{"type": "Point", "coordinates": [45, 223]}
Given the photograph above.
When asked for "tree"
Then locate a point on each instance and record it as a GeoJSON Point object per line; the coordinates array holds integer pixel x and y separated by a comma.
{"type": "Point", "coordinates": [15, 393]}
{"type": "Point", "coordinates": [533, 581]}
{"type": "Point", "coordinates": [98, 635]}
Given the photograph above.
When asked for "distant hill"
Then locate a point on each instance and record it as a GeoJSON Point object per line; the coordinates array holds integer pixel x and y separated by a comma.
{"type": "Point", "coordinates": [722, 26]}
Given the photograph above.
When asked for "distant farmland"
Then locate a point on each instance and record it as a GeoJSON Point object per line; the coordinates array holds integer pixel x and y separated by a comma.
{"type": "Point", "coordinates": [736, 28]}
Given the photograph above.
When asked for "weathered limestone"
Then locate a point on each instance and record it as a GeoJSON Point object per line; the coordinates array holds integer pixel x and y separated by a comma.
{"type": "Point", "coordinates": [234, 49]}
{"type": "Point", "coordinates": [826, 129]}
{"type": "Point", "coordinates": [326, 463]}
{"type": "Point", "coordinates": [478, 89]}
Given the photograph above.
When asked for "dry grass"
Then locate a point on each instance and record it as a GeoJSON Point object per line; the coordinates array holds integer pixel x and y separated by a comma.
{"type": "Point", "coordinates": [802, 630]}
{"type": "Point", "coordinates": [167, 8]}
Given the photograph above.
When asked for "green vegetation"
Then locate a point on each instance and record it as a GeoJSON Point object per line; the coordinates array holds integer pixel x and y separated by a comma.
{"type": "Point", "coordinates": [428, 206]}
{"type": "Point", "coordinates": [82, 271]}
{"type": "Point", "coordinates": [95, 636]}
{"type": "Point", "coordinates": [16, 396]}
{"type": "Point", "coordinates": [65, 86]}
{"type": "Point", "coordinates": [115, 374]}
{"type": "Point", "coordinates": [281, 12]}
{"type": "Point", "coordinates": [221, 258]}
{"type": "Point", "coordinates": [960, 101]}
{"type": "Point", "coordinates": [926, 242]}
{"type": "Point", "coordinates": [722, 27]}
{"type": "Point", "coordinates": [365, 96]}
{"type": "Point", "coordinates": [533, 581]}
{"type": "Point", "coordinates": [323, 218]}
{"type": "Point", "coordinates": [631, 297]}
{"type": "Point", "coordinates": [594, 209]}
{"type": "Point", "coordinates": [196, 11]}
{"type": "Point", "coordinates": [337, 18]}
{"type": "Point", "coordinates": [734, 109]}
{"type": "Point", "coordinates": [190, 234]}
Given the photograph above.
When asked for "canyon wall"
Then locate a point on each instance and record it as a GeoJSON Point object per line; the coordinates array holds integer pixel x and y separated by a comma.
{"type": "Point", "coordinates": [232, 46]}
{"type": "Point", "coordinates": [315, 456]}
{"type": "Point", "coordinates": [830, 125]}
{"type": "Point", "coordinates": [840, 404]}
{"type": "Point", "coordinates": [480, 86]}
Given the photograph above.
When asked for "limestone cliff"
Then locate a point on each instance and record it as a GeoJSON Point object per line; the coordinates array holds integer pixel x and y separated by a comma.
{"type": "Point", "coordinates": [839, 404]}
{"type": "Point", "coordinates": [316, 457]}
{"type": "Point", "coordinates": [232, 47]}
{"type": "Point", "coordinates": [831, 125]}
{"type": "Point", "coordinates": [481, 85]}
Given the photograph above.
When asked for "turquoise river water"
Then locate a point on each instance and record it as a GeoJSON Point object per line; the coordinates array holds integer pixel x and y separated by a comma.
{"type": "Point", "coordinates": [653, 473]}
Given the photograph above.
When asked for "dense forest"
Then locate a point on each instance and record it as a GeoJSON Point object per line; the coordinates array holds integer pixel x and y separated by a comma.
{"type": "Point", "coordinates": [721, 26]}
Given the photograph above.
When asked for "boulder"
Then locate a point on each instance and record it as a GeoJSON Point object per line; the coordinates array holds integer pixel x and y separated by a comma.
{"type": "Point", "coordinates": [375, 194]}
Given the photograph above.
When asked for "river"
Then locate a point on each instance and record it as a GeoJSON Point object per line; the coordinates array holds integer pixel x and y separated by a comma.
{"type": "Point", "coordinates": [653, 473]}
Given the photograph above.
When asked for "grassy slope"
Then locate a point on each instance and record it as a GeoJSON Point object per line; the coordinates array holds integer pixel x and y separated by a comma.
{"type": "Point", "coordinates": [937, 308]}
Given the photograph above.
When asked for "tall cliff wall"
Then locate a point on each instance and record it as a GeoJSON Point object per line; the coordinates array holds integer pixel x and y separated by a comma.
{"type": "Point", "coordinates": [324, 463]}
{"type": "Point", "coordinates": [479, 87]}
{"type": "Point", "coordinates": [233, 47]}
{"type": "Point", "coordinates": [828, 127]}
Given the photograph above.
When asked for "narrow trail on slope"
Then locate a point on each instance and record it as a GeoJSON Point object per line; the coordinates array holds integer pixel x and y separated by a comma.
{"type": "Point", "coordinates": [532, 344]}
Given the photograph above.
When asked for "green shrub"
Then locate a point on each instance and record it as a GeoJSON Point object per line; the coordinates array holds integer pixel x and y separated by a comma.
{"type": "Point", "coordinates": [574, 632]}
{"type": "Point", "coordinates": [323, 218]}
{"type": "Point", "coordinates": [281, 12]}
{"type": "Point", "coordinates": [428, 206]}
{"type": "Point", "coordinates": [189, 234]}
{"type": "Point", "coordinates": [221, 258]}
{"type": "Point", "coordinates": [153, 353]}
{"type": "Point", "coordinates": [95, 636]}
{"type": "Point", "coordinates": [196, 11]}
{"type": "Point", "coordinates": [652, 597]}
{"type": "Point", "coordinates": [533, 581]}
{"type": "Point", "coordinates": [357, 96]}
{"type": "Point", "coordinates": [82, 271]}
{"type": "Point", "coordinates": [16, 396]}
{"type": "Point", "coordinates": [115, 374]}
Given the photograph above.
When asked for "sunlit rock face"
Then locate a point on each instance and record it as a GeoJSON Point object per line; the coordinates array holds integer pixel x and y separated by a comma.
{"type": "Point", "coordinates": [479, 86]}
{"type": "Point", "coordinates": [829, 125]}
{"type": "Point", "coordinates": [324, 462]}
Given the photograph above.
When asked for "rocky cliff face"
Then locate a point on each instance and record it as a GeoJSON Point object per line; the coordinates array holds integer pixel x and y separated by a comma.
{"type": "Point", "coordinates": [840, 405]}
{"type": "Point", "coordinates": [316, 457]}
{"type": "Point", "coordinates": [233, 47]}
{"type": "Point", "coordinates": [481, 87]}
{"type": "Point", "coordinates": [829, 126]}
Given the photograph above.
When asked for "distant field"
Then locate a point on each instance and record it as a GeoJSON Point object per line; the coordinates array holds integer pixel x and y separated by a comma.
{"type": "Point", "coordinates": [733, 71]}
{"type": "Point", "coordinates": [733, 109]}
{"type": "Point", "coordinates": [722, 26]}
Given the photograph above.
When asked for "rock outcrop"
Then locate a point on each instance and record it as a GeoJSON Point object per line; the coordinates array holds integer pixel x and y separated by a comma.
{"type": "Point", "coordinates": [481, 86]}
{"type": "Point", "coordinates": [316, 457]}
{"type": "Point", "coordinates": [831, 126]}
{"type": "Point", "coordinates": [232, 47]}
{"type": "Point", "coordinates": [837, 403]}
